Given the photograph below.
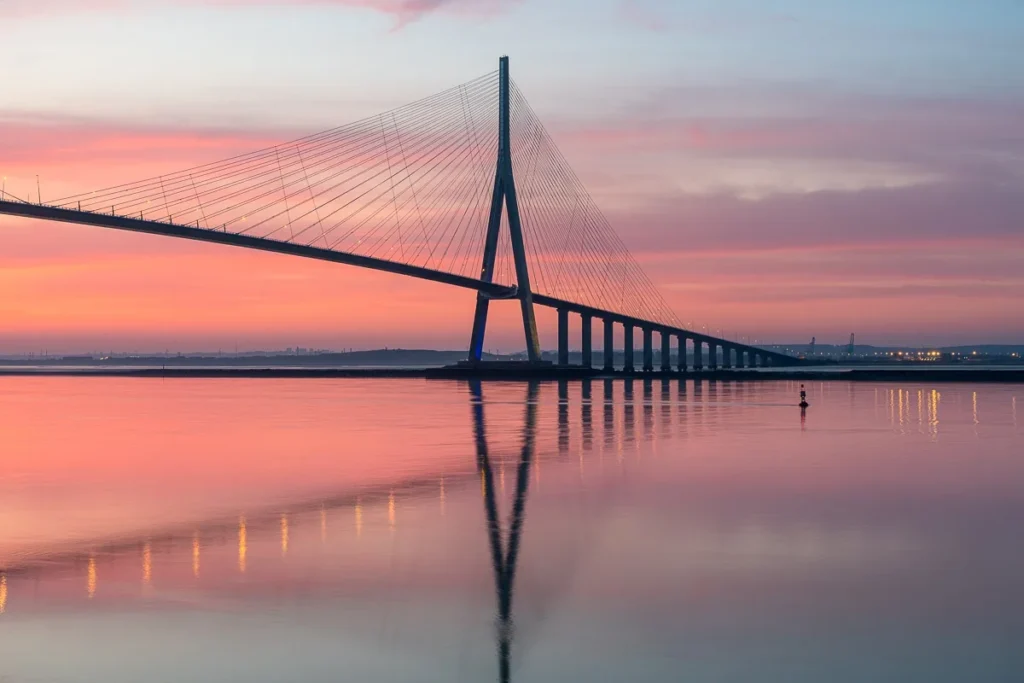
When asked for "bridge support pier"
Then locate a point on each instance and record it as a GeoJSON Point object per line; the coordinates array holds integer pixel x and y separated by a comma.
{"type": "Point", "coordinates": [698, 354]}
{"type": "Point", "coordinates": [666, 351]}
{"type": "Point", "coordinates": [609, 344]}
{"type": "Point", "coordinates": [563, 336]}
{"type": "Point", "coordinates": [648, 349]}
{"type": "Point", "coordinates": [627, 351]}
{"type": "Point", "coordinates": [727, 352]}
{"type": "Point", "coordinates": [712, 356]}
{"type": "Point", "coordinates": [682, 354]}
{"type": "Point", "coordinates": [504, 196]}
{"type": "Point", "coordinates": [586, 340]}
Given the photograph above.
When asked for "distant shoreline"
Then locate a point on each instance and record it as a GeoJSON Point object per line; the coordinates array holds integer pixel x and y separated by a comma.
{"type": "Point", "coordinates": [1011, 376]}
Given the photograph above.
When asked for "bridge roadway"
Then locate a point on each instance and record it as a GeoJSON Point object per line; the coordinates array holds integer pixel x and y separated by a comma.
{"type": "Point", "coordinates": [720, 352]}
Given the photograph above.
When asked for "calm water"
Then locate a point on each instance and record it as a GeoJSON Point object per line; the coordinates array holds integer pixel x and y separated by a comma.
{"type": "Point", "coordinates": [405, 530]}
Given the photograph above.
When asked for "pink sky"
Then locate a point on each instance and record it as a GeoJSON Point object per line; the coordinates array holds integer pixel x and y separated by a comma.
{"type": "Point", "coordinates": [769, 209]}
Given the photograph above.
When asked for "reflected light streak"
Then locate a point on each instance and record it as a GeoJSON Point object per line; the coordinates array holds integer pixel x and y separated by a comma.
{"type": "Point", "coordinates": [3, 593]}
{"type": "Point", "coordinates": [323, 524]}
{"type": "Point", "coordinates": [195, 554]}
{"type": "Point", "coordinates": [391, 510]}
{"type": "Point", "coordinates": [90, 581]}
{"type": "Point", "coordinates": [147, 563]}
{"type": "Point", "coordinates": [243, 544]}
{"type": "Point", "coordinates": [933, 413]}
{"type": "Point", "coordinates": [920, 408]}
{"type": "Point", "coordinates": [974, 406]}
{"type": "Point", "coordinates": [359, 518]}
{"type": "Point", "coordinates": [284, 535]}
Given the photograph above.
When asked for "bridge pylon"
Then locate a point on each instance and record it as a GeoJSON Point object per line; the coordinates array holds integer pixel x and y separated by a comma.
{"type": "Point", "coordinates": [504, 196]}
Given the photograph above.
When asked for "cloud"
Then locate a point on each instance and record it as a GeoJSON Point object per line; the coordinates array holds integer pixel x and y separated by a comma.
{"type": "Point", "coordinates": [74, 155]}
{"type": "Point", "coordinates": [48, 140]}
{"type": "Point", "coordinates": [966, 140]}
{"type": "Point", "coordinates": [938, 213]}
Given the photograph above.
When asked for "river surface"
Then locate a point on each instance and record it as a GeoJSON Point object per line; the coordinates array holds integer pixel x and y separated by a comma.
{"type": "Point", "coordinates": [413, 530]}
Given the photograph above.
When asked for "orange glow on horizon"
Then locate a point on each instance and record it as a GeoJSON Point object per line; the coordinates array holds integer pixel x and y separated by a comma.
{"type": "Point", "coordinates": [243, 545]}
{"type": "Point", "coordinates": [90, 581]}
{"type": "Point", "coordinates": [195, 554]}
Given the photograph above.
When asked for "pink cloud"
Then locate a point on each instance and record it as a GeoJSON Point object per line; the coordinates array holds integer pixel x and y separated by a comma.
{"type": "Point", "coordinates": [46, 141]}
{"type": "Point", "coordinates": [897, 131]}
{"type": "Point", "coordinates": [879, 261]}
{"type": "Point", "coordinates": [941, 213]}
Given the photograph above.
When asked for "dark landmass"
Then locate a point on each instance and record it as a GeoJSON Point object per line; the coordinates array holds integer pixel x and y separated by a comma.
{"type": "Point", "coordinates": [426, 358]}
{"type": "Point", "coordinates": [503, 372]}
{"type": "Point", "coordinates": [382, 357]}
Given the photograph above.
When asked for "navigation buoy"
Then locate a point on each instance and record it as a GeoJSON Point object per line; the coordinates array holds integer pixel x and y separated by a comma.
{"type": "Point", "coordinates": [803, 397]}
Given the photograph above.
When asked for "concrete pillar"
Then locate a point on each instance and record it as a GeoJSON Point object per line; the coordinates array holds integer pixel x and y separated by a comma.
{"type": "Point", "coordinates": [727, 352]}
{"type": "Point", "coordinates": [586, 414]}
{"type": "Point", "coordinates": [750, 359]}
{"type": "Point", "coordinates": [587, 341]}
{"type": "Point", "coordinates": [609, 344]}
{"type": "Point", "coordinates": [563, 336]}
{"type": "Point", "coordinates": [698, 354]}
{"type": "Point", "coordinates": [648, 349]}
{"type": "Point", "coordinates": [627, 351]}
{"type": "Point", "coordinates": [666, 351]}
{"type": "Point", "coordinates": [712, 356]}
{"type": "Point", "coordinates": [608, 411]}
{"type": "Point", "coordinates": [682, 354]}
{"type": "Point", "coordinates": [563, 417]}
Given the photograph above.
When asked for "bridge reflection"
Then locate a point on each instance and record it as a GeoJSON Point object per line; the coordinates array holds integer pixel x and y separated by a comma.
{"type": "Point", "coordinates": [603, 426]}
{"type": "Point", "coordinates": [615, 430]}
{"type": "Point", "coordinates": [505, 555]}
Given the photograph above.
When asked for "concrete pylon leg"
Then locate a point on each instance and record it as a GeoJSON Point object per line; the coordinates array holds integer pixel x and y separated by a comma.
{"type": "Point", "coordinates": [609, 344]}
{"type": "Point", "coordinates": [666, 351]}
{"type": "Point", "coordinates": [586, 340]}
{"type": "Point", "coordinates": [563, 336]}
{"type": "Point", "coordinates": [648, 349]}
{"type": "Point", "coordinates": [627, 352]}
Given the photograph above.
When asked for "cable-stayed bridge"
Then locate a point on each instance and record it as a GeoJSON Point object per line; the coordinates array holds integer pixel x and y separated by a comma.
{"type": "Point", "coordinates": [466, 188]}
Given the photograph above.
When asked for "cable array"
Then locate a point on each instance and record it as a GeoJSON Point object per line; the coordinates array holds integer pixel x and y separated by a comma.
{"type": "Point", "coordinates": [573, 251]}
{"type": "Point", "coordinates": [412, 186]}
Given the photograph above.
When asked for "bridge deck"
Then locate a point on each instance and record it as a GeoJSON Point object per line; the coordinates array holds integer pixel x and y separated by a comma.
{"type": "Point", "coordinates": [52, 213]}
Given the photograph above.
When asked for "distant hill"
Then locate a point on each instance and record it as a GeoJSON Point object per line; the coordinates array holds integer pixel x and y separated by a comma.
{"type": "Point", "coordinates": [867, 349]}
{"type": "Point", "coordinates": [380, 357]}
